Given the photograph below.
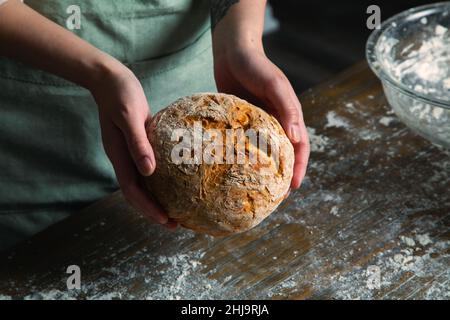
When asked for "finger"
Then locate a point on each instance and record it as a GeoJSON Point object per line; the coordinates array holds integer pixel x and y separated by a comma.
{"type": "Point", "coordinates": [301, 156]}
{"type": "Point", "coordinates": [149, 208]}
{"type": "Point", "coordinates": [133, 128]}
{"type": "Point", "coordinates": [282, 97]}
{"type": "Point", "coordinates": [128, 177]}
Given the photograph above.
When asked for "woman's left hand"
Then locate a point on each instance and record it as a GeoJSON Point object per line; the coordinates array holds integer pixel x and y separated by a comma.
{"type": "Point", "coordinates": [246, 72]}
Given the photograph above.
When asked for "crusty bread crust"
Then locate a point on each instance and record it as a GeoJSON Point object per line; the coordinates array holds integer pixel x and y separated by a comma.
{"type": "Point", "coordinates": [218, 199]}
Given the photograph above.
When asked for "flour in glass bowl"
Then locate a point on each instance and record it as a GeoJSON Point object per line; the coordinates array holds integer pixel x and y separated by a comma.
{"type": "Point", "coordinates": [422, 64]}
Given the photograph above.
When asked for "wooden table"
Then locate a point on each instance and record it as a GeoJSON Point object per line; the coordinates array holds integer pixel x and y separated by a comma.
{"type": "Point", "coordinates": [370, 221]}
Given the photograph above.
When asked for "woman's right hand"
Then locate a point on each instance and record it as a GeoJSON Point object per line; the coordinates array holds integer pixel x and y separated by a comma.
{"type": "Point", "coordinates": [29, 37]}
{"type": "Point", "coordinates": [124, 113]}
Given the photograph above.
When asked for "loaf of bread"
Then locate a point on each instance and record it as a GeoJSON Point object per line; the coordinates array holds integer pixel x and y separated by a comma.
{"type": "Point", "coordinates": [223, 197]}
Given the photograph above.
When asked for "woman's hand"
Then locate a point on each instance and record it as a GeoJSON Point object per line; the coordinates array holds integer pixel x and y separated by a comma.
{"type": "Point", "coordinates": [246, 72]}
{"type": "Point", "coordinates": [242, 68]}
{"type": "Point", "coordinates": [124, 112]}
{"type": "Point", "coordinates": [122, 104]}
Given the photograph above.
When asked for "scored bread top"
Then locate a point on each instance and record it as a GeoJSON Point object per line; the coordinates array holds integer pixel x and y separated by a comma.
{"type": "Point", "coordinates": [219, 198]}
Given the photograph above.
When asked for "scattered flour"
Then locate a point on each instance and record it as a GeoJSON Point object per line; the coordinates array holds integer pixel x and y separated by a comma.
{"type": "Point", "coordinates": [350, 105]}
{"type": "Point", "coordinates": [335, 211]}
{"type": "Point", "coordinates": [407, 260]}
{"type": "Point", "coordinates": [50, 295]}
{"type": "Point", "coordinates": [179, 280]}
{"type": "Point", "coordinates": [333, 120]}
{"type": "Point", "coordinates": [423, 239]}
{"type": "Point", "coordinates": [328, 197]}
{"type": "Point", "coordinates": [386, 121]}
{"type": "Point", "coordinates": [318, 142]}
{"type": "Point", "coordinates": [394, 263]}
{"type": "Point", "coordinates": [408, 241]}
{"type": "Point", "coordinates": [171, 277]}
{"type": "Point", "coordinates": [368, 134]}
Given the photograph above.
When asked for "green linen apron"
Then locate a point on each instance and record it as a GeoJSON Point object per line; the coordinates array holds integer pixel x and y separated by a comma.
{"type": "Point", "coordinates": [52, 161]}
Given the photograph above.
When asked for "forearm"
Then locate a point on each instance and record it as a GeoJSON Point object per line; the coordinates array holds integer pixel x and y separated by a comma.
{"type": "Point", "coordinates": [237, 23]}
{"type": "Point", "coordinates": [29, 37]}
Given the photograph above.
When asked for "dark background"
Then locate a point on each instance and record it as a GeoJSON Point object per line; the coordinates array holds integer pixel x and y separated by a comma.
{"type": "Point", "coordinates": [319, 38]}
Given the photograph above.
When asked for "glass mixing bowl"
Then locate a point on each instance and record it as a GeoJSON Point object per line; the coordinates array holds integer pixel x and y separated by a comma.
{"type": "Point", "coordinates": [410, 54]}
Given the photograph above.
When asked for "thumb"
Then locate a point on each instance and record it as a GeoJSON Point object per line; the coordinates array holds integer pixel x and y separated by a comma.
{"type": "Point", "coordinates": [283, 99]}
{"type": "Point", "coordinates": [139, 146]}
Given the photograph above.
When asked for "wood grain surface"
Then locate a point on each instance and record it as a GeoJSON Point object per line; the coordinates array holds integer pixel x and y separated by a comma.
{"type": "Point", "coordinates": [371, 221]}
